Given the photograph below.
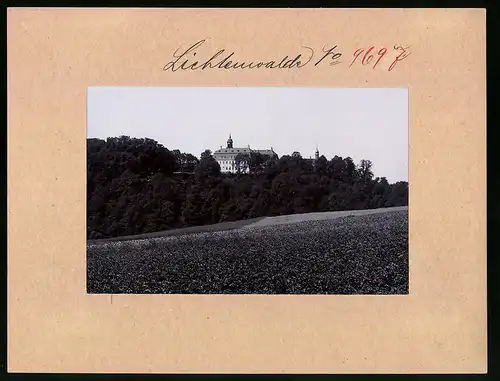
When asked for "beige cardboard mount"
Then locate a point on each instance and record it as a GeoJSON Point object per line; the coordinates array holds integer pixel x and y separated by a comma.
{"type": "Point", "coordinates": [55, 326]}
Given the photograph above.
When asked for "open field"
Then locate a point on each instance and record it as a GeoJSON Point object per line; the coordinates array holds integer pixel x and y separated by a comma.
{"type": "Point", "coordinates": [183, 231]}
{"type": "Point", "coordinates": [358, 252]}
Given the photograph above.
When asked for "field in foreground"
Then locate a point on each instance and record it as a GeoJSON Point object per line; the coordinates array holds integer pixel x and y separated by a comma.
{"type": "Point", "coordinates": [362, 254]}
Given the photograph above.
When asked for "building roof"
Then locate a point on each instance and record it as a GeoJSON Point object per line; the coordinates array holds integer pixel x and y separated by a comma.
{"type": "Point", "coordinates": [233, 150]}
{"type": "Point", "coordinates": [244, 150]}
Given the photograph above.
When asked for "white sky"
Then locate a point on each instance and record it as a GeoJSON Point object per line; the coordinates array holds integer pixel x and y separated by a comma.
{"type": "Point", "coordinates": [361, 123]}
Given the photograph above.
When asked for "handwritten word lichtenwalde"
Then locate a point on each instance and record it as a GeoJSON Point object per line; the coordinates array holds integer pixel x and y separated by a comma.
{"type": "Point", "coordinates": [188, 60]}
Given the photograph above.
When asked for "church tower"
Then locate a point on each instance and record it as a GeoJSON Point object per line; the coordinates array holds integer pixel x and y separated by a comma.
{"type": "Point", "coordinates": [229, 142]}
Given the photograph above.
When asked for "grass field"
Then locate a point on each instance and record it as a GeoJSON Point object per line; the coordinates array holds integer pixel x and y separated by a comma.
{"type": "Point", "coordinates": [361, 254]}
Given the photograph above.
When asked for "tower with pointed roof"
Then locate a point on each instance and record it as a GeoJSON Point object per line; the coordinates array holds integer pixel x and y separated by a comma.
{"type": "Point", "coordinates": [316, 158]}
{"type": "Point", "coordinates": [230, 142]}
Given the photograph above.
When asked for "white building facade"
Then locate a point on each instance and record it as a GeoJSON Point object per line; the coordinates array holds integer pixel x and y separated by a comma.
{"type": "Point", "coordinates": [226, 156]}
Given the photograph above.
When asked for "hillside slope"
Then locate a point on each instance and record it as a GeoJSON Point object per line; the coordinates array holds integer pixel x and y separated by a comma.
{"type": "Point", "coordinates": [357, 254]}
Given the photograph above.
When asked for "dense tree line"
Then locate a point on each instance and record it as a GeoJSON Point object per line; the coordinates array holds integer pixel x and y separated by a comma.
{"type": "Point", "coordinates": [138, 186]}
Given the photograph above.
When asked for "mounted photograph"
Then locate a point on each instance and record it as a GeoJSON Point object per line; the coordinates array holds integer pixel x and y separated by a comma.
{"type": "Point", "coordinates": [247, 190]}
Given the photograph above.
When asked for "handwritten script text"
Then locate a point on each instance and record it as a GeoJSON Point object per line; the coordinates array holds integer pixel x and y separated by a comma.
{"type": "Point", "coordinates": [189, 59]}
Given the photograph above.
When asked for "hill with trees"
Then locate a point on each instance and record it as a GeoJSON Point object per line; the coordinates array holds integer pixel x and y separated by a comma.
{"type": "Point", "coordinates": [139, 186]}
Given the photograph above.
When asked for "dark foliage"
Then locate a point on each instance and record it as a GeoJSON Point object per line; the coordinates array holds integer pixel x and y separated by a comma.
{"type": "Point", "coordinates": [138, 186]}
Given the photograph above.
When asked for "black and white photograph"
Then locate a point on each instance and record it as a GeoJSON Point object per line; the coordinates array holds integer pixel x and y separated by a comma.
{"type": "Point", "coordinates": [247, 190]}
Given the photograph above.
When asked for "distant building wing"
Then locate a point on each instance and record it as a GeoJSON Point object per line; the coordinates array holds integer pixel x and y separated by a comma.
{"type": "Point", "coordinates": [267, 152]}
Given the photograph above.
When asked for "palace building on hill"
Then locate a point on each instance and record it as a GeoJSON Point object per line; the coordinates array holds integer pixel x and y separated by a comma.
{"type": "Point", "coordinates": [226, 156]}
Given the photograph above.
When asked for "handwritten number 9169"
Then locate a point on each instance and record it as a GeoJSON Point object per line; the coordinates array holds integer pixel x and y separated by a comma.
{"type": "Point", "coordinates": [370, 55]}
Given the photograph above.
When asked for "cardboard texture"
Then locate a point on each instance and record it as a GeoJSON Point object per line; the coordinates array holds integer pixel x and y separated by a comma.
{"type": "Point", "coordinates": [54, 326]}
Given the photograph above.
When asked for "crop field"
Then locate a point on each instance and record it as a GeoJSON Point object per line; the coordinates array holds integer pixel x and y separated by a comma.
{"type": "Point", "coordinates": [361, 254]}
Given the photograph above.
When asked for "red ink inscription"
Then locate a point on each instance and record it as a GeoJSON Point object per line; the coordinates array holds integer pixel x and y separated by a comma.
{"type": "Point", "coordinates": [368, 56]}
{"type": "Point", "coordinates": [381, 54]}
{"type": "Point", "coordinates": [356, 55]}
